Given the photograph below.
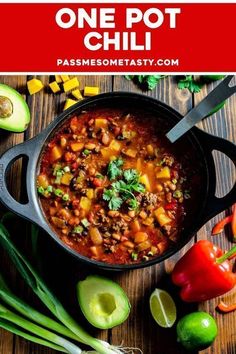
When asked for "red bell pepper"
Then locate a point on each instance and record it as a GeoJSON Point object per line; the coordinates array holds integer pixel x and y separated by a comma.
{"type": "Point", "coordinates": [222, 307]}
{"type": "Point", "coordinates": [219, 227]}
{"type": "Point", "coordinates": [233, 223]}
{"type": "Point", "coordinates": [204, 272]}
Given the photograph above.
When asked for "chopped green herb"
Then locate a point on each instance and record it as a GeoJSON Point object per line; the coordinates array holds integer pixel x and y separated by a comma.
{"type": "Point", "coordinates": [145, 258]}
{"type": "Point", "coordinates": [113, 198]}
{"type": "Point", "coordinates": [78, 229]}
{"type": "Point", "coordinates": [150, 253]}
{"type": "Point", "coordinates": [85, 222]}
{"type": "Point", "coordinates": [189, 83]}
{"type": "Point", "coordinates": [147, 82]}
{"type": "Point", "coordinates": [123, 190]}
{"type": "Point", "coordinates": [66, 197]}
{"type": "Point", "coordinates": [113, 170]}
{"type": "Point", "coordinates": [174, 181]}
{"type": "Point", "coordinates": [58, 192]}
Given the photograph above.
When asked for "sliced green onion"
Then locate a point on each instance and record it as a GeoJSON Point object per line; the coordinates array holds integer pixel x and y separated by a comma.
{"type": "Point", "coordinates": [134, 256]}
{"type": "Point", "coordinates": [41, 190]}
{"type": "Point", "coordinates": [66, 197]}
{"type": "Point", "coordinates": [85, 222]}
{"type": "Point", "coordinates": [58, 192]}
{"type": "Point", "coordinates": [50, 189]}
{"type": "Point", "coordinates": [78, 229]}
{"type": "Point", "coordinates": [66, 169]}
{"type": "Point", "coordinates": [177, 194]}
{"type": "Point", "coordinates": [86, 152]}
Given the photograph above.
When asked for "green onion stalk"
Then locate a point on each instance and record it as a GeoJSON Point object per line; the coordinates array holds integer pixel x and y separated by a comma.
{"type": "Point", "coordinates": [67, 326]}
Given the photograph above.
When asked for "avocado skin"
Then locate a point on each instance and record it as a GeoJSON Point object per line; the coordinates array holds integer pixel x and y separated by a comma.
{"type": "Point", "coordinates": [20, 118]}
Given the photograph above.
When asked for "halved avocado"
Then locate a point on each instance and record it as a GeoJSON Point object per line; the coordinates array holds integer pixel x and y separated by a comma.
{"type": "Point", "coordinates": [14, 111]}
{"type": "Point", "coordinates": [103, 302]}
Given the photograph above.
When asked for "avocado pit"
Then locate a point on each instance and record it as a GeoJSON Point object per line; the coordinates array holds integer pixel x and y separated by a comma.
{"type": "Point", "coordinates": [6, 107]}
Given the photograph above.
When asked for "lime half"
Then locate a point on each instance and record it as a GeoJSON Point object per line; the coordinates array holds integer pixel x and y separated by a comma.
{"type": "Point", "coordinates": [162, 308]}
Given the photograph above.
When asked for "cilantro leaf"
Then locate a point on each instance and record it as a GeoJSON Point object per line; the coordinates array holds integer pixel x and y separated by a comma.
{"type": "Point", "coordinates": [115, 203]}
{"type": "Point", "coordinates": [189, 83]}
{"type": "Point", "coordinates": [113, 170]}
{"type": "Point", "coordinates": [133, 204]}
{"type": "Point", "coordinates": [139, 187]}
{"type": "Point", "coordinates": [131, 176]}
{"type": "Point", "coordinates": [147, 82]}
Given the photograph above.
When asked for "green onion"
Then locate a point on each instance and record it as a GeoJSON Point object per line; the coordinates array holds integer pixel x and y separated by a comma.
{"type": "Point", "coordinates": [50, 189]}
{"type": "Point", "coordinates": [145, 258]}
{"type": "Point", "coordinates": [66, 197]}
{"type": "Point", "coordinates": [85, 222]}
{"type": "Point", "coordinates": [58, 192]}
{"type": "Point", "coordinates": [174, 181]}
{"type": "Point", "coordinates": [66, 169]}
{"type": "Point", "coordinates": [177, 194]}
{"type": "Point", "coordinates": [134, 256]}
{"type": "Point", "coordinates": [150, 253]}
{"type": "Point", "coordinates": [20, 321]}
{"type": "Point", "coordinates": [86, 152]}
{"type": "Point", "coordinates": [78, 229]}
{"type": "Point", "coordinates": [52, 303]}
{"type": "Point", "coordinates": [41, 190]}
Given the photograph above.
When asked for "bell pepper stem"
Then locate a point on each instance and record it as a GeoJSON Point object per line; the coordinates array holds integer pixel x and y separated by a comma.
{"type": "Point", "coordinates": [227, 255]}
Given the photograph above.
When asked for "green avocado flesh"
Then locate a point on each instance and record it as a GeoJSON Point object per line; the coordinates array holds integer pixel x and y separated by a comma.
{"type": "Point", "coordinates": [14, 111]}
{"type": "Point", "coordinates": [103, 302]}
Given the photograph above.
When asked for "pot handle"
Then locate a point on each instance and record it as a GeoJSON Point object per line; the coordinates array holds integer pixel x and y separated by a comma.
{"type": "Point", "coordinates": [216, 205]}
{"type": "Point", "coordinates": [27, 210]}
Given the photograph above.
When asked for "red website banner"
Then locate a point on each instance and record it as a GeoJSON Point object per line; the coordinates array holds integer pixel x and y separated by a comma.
{"type": "Point", "coordinates": [117, 37]}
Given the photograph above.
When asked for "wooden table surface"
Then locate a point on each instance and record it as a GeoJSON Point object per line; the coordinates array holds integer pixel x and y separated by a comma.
{"type": "Point", "coordinates": [62, 273]}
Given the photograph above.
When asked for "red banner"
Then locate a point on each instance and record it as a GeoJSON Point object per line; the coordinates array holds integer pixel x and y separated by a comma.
{"type": "Point", "coordinates": [130, 37]}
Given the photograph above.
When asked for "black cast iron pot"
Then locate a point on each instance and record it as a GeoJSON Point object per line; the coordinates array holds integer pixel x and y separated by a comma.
{"type": "Point", "coordinates": [198, 144]}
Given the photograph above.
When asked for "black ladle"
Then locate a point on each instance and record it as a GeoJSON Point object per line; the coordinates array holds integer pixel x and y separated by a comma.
{"type": "Point", "coordinates": [217, 96]}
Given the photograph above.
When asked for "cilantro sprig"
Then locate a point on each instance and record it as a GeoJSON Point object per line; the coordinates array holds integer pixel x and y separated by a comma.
{"type": "Point", "coordinates": [113, 170]}
{"type": "Point", "coordinates": [147, 82]}
{"type": "Point", "coordinates": [189, 83]}
{"type": "Point", "coordinates": [123, 190]}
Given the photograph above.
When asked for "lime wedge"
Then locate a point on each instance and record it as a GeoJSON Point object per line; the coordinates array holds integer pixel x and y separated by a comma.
{"type": "Point", "coordinates": [162, 308]}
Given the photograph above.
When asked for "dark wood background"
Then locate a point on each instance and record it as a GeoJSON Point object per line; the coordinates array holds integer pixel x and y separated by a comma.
{"type": "Point", "coordinates": [62, 273]}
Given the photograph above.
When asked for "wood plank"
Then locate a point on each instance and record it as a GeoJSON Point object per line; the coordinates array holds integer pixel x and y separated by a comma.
{"type": "Point", "coordinates": [221, 124]}
{"type": "Point", "coordinates": [140, 329]}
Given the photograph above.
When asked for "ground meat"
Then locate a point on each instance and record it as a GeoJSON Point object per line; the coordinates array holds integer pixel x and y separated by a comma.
{"type": "Point", "coordinates": [119, 226]}
{"type": "Point", "coordinates": [149, 199]}
{"type": "Point", "coordinates": [168, 160]}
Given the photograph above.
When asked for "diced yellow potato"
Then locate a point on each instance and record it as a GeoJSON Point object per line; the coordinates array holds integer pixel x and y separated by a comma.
{"type": "Point", "coordinates": [115, 145]}
{"type": "Point", "coordinates": [139, 165]}
{"type": "Point", "coordinates": [164, 173]}
{"type": "Point", "coordinates": [135, 225]}
{"type": "Point", "coordinates": [90, 193]}
{"type": "Point", "coordinates": [130, 152]}
{"type": "Point", "coordinates": [43, 181]}
{"type": "Point", "coordinates": [107, 153]}
{"type": "Point", "coordinates": [101, 123]}
{"type": "Point", "coordinates": [56, 153]}
{"type": "Point", "coordinates": [145, 180]}
{"type": "Point", "coordinates": [85, 204]}
{"type": "Point", "coordinates": [58, 79]}
{"type": "Point", "coordinates": [77, 94]}
{"type": "Point", "coordinates": [66, 178]}
{"type": "Point", "coordinates": [71, 84]}
{"type": "Point", "coordinates": [65, 78]}
{"type": "Point", "coordinates": [143, 246]}
{"type": "Point", "coordinates": [148, 221]}
{"type": "Point", "coordinates": [91, 90]}
{"type": "Point", "coordinates": [34, 86]}
{"type": "Point", "coordinates": [150, 150]}
{"type": "Point", "coordinates": [69, 102]}
{"type": "Point", "coordinates": [60, 223]}
{"type": "Point", "coordinates": [159, 211]}
{"type": "Point", "coordinates": [54, 87]}
{"type": "Point", "coordinates": [77, 146]}
{"type": "Point", "coordinates": [161, 216]}
{"type": "Point", "coordinates": [95, 236]}
{"type": "Point", "coordinates": [140, 237]}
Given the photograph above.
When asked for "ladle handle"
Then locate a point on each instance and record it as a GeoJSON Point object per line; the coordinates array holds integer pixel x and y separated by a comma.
{"type": "Point", "coordinates": [217, 96]}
